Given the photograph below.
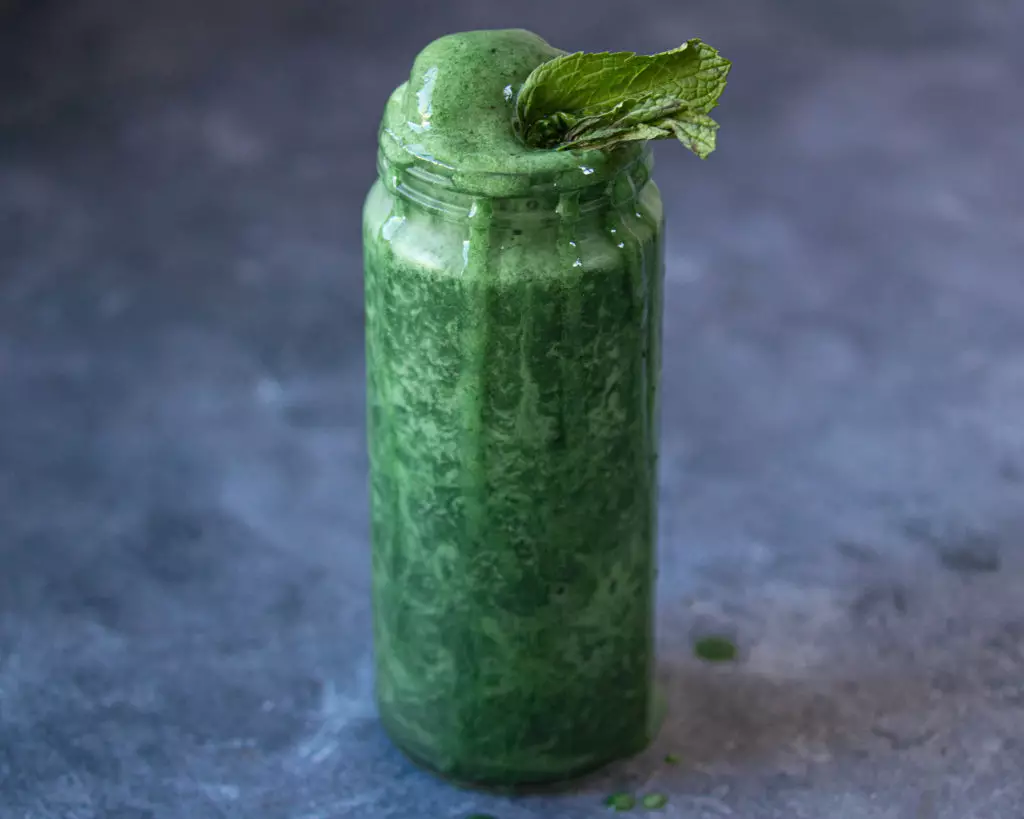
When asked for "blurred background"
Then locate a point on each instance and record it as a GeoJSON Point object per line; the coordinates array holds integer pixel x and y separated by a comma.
{"type": "Point", "coordinates": [184, 626]}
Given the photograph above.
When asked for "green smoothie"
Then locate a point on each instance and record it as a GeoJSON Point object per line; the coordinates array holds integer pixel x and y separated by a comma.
{"type": "Point", "coordinates": [513, 307]}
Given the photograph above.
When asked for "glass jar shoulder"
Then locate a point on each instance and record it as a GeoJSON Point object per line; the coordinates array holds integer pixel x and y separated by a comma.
{"type": "Point", "coordinates": [523, 245]}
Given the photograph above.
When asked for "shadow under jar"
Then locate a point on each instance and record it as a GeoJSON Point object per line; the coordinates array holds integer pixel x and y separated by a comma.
{"type": "Point", "coordinates": [513, 362]}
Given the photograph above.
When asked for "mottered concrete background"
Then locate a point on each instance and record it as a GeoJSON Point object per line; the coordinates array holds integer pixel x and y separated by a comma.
{"type": "Point", "coordinates": [184, 622]}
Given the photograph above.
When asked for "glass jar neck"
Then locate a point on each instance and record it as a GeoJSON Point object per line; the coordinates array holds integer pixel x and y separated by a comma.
{"type": "Point", "coordinates": [515, 197]}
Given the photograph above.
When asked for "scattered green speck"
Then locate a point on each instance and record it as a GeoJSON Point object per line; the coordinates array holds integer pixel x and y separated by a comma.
{"type": "Point", "coordinates": [480, 816]}
{"type": "Point", "coordinates": [653, 801]}
{"type": "Point", "coordinates": [621, 801]}
{"type": "Point", "coordinates": [715, 649]}
{"type": "Point", "coordinates": [672, 759]}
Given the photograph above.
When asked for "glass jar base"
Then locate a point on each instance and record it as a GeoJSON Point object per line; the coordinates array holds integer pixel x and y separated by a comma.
{"type": "Point", "coordinates": [503, 781]}
{"type": "Point", "coordinates": [525, 783]}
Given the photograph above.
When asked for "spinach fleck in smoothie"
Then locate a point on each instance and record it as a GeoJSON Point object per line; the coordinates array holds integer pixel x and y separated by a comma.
{"type": "Point", "coordinates": [513, 303]}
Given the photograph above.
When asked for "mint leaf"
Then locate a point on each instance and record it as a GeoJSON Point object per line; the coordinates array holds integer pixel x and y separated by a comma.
{"type": "Point", "coordinates": [601, 100]}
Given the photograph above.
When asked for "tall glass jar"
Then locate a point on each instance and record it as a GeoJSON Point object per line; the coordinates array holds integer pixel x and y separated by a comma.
{"type": "Point", "coordinates": [513, 364]}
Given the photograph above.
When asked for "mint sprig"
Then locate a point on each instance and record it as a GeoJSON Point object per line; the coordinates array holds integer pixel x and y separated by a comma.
{"type": "Point", "coordinates": [586, 100]}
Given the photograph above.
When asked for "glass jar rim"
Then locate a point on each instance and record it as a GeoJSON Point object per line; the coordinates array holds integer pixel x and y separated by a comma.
{"type": "Point", "coordinates": [393, 155]}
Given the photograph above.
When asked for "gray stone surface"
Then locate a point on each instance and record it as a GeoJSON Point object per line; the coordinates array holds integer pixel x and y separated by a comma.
{"type": "Point", "coordinates": [183, 585]}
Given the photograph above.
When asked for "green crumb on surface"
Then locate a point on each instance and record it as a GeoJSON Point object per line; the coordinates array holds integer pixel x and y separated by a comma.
{"type": "Point", "coordinates": [621, 801]}
{"type": "Point", "coordinates": [653, 801]}
{"type": "Point", "coordinates": [672, 759]}
{"type": "Point", "coordinates": [715, 649]}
